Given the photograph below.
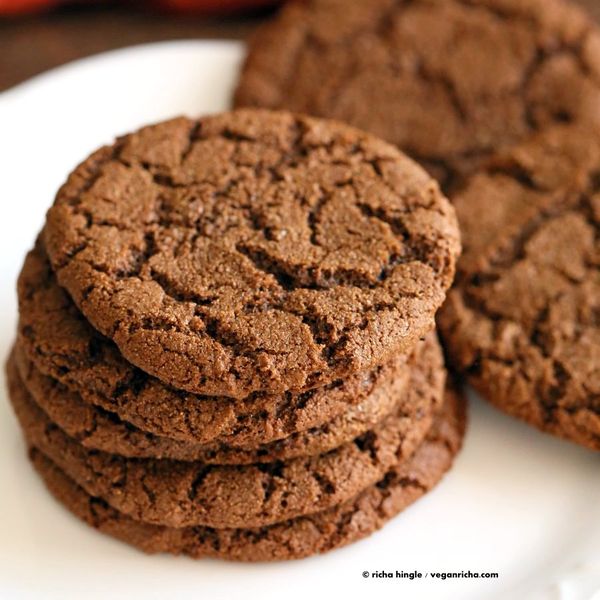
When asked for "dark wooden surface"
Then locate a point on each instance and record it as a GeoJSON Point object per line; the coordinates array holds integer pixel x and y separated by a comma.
{"type": "Point", "coordinates": [31, 45]}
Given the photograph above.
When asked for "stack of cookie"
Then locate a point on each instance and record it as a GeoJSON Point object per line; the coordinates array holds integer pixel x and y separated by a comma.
{"type": "Point", "coordinates": [500, 100]}
{"type": "Point", "coordinates": [225, 342]}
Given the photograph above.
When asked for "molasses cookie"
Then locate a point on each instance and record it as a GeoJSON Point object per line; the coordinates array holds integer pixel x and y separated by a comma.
{"type": "Point", "coordinates": [523, 319]}
{"type": "Point", "coordinates": [179, 494]}
{"type": "Point", "coordinates": [253, 251]}
{"type": "Point", "coordinates": [98, 429]}
{"type": "Point", "coordinates": [448, 81]}
{"type": "Point", "coordinates": [350, 521]}
{"type": "Point", "coordinates": [59, 341]}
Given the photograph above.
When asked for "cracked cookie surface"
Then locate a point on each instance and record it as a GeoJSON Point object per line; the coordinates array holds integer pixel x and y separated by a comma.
{"type": "Point", "coordinates": [179, 494]}
{"type": "Point", "coordinates": [296, 538]}
{"type": "Point", "coordinates": [98, 429]}
{"type": "Point", "coordinates": [60, 342]}
{"type": "Point", "coordinates": [253, 250]}
{"type": "Point", "coordinates": [523, 320]}
{"type": "Point", "coordinates": [452, 80]}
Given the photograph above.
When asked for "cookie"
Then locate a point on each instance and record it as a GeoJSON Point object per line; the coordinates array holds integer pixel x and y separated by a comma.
{"type": "Point", "coordinates": [296, 538]}
{"type": "Point", "coordinates": [253, 251]}
{"type": "Point", "coordinates": [98, 429]}
{"type": "Point", "coordinates": [179, 494]}
{"type": "Point", "coordinates": [63, 345]}
{"type": "Point", "coordinates": [522, 321]}
{"type": "Point", "coordinates": [451, 80]}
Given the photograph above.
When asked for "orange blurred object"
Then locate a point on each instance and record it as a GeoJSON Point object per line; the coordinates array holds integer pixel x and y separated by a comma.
{"type": "Point", "coordinates": [202, 7]}
{"type": "Point", "coordinates": [16, 7]}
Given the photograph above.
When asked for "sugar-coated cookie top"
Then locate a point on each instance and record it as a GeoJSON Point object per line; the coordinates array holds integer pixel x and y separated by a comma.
{"type": "Point", "coordinates": [254, 250]}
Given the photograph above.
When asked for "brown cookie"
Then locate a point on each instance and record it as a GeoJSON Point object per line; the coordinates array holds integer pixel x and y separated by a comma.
{"type": "Point", "coordinates": [523, 320]}
{"type": "Point", "coordinates": [180, 494]}
{"type": "Point", "coordinates": [253, 250]}
{"type": "Point", "coordinates": [98, 429]}
{"type": "Point", "coordinates": [355, 519]}
{"type": "Point", "coordinates": [448, 81]}
{"type": "Point", "coordinates": [63, 345]}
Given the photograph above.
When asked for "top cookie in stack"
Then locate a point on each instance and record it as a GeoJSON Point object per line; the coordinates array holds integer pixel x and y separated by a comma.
{"type": "Point", "coordinates": [253, 252]}
{"type": "Point", "coordinates": [225, 340]}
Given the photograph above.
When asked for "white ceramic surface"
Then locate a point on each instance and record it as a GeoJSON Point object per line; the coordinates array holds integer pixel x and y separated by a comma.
{"type": "Point", "coordinates": [517, 502]}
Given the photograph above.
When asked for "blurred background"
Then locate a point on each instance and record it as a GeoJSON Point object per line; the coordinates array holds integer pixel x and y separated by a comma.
{"type": "Point", "coordinates": [36, 35]}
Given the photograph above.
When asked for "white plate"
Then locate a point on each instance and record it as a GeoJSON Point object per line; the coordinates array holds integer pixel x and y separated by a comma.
{"type": "Point", "coordinates": [518, 503]}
